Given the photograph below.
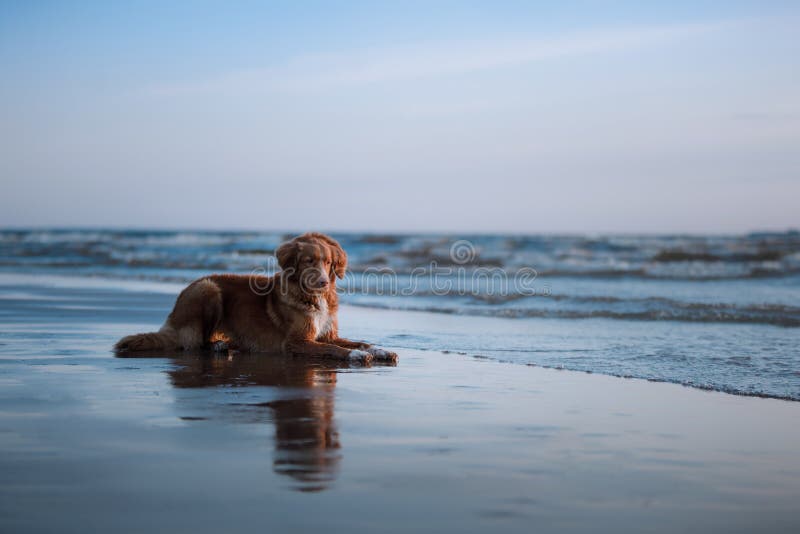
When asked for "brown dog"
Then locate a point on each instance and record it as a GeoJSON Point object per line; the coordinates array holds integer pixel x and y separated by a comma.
{"type": "Point", "coordinates": [292, 312]}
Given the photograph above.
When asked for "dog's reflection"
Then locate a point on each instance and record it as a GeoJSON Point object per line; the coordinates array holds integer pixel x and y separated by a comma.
{"type": "Point", "coordinates": [307, 447]}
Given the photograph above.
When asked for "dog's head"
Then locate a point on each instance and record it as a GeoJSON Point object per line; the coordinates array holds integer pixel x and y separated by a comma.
{"type": "Point", "coordinates": [313, 260]}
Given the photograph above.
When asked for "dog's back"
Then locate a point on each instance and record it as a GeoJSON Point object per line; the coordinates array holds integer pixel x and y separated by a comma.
{"type": "Point", "coordinates": [194, 318]}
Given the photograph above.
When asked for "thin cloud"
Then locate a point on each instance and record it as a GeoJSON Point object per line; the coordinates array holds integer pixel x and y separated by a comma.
{"type": "Point", "coordinates": [313, 72]}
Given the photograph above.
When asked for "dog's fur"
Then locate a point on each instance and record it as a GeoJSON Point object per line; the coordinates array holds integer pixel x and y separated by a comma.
{"type": "Point", "coordinates": [293, 312]}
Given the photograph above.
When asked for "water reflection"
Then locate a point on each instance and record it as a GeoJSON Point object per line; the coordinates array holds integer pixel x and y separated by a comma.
{"type": "Point", "coordinates": [301, 405]}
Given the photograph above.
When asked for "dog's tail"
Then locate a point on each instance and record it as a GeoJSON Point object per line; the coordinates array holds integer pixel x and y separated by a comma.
{"type": "Point", "coordinates": [164, 339]}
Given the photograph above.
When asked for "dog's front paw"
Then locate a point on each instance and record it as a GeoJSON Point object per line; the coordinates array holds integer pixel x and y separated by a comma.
{"type": "Point", "coordinates": [383, 355]}
{"type": "Point", "coordinates": [361, 356]}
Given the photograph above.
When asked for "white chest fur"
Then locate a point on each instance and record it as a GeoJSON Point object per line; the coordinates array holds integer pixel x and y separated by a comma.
{"type": "Point", "coordinates": [320, 319]}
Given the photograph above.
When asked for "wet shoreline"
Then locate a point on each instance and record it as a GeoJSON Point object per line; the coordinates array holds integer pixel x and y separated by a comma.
{"type": "Point", "coordinates": [203, 443]}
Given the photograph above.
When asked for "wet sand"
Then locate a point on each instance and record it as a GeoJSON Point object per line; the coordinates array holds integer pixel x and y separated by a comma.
{"type": "Point", "coordinates": [210, 443]}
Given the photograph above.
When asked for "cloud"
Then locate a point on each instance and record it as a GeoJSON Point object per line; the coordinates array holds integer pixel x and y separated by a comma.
{"type": "Point", "coordinates": [320, 71]}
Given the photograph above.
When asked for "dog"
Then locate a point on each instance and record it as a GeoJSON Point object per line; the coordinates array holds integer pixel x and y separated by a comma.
{"type": "Point", "coordinates": [292, 312]}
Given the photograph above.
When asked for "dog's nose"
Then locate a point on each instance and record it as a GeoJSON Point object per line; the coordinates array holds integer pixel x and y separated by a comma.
{"type": "Point", "coordinates": [322, 282]}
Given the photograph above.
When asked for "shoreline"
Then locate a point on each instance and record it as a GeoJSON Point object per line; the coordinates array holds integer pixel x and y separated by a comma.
{"type": "Point", "coordinates": [509, 339]}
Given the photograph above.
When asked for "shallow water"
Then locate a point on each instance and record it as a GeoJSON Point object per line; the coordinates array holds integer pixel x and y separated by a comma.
{"type": "Point", "coordinates": [706, 311]}
{"type": "Point", "coordinates": [441, 442]}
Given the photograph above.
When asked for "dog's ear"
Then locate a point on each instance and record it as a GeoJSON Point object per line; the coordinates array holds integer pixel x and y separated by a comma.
{"type": "Point", "coordinates": [339, 262]}
{"type": "Point", "coordinates": [287, 254]}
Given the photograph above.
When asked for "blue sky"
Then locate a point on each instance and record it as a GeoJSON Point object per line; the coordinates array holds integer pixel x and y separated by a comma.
{"type": "Point", "coordinates": [418, 116]}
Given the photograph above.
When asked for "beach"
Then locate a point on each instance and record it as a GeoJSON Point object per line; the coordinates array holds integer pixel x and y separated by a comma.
{"type": "Point", "coordinates": [523, 267]}
{"type": "Point", "coordinates": [216, 442]}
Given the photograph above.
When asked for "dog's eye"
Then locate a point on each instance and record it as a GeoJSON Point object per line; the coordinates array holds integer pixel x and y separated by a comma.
{"type": "Point", "coordinates": [309, 260]}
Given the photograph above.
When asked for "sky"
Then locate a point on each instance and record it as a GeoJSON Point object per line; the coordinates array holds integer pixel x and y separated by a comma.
{"type": "Point", "coordinates": [523, 117]}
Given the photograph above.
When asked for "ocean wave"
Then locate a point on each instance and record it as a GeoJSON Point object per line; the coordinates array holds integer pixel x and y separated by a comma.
{"type": "Point", "coordinates": [518, 306]}
{"type": "Point", "coordinates": [784, 316]}
{"type": "Point", "coordinates": [751, 256]}
{"type": "Point", "coordinates": [671, 256]}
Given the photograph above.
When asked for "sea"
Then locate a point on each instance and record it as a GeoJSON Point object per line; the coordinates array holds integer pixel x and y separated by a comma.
{"type": "Point", "coordinates": [712, 312]}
